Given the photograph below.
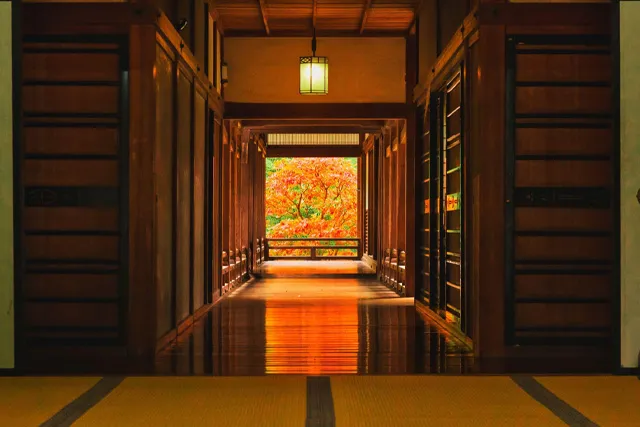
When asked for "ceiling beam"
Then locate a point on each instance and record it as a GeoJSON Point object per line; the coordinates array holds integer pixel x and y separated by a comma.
{"type": "Point", "coordinates": [314, 150]}
{"type": "Point", "coordinates": [416, 13]}
{"type": "Point", "coordinates": [336, 111]}
{"type": "Point", "coordinates": [315, 12]}
{"type": "Point", "coordinates": [298, 123]}
{"type": "Point", "coordinates": [315, 129]}
{"type": "Point", "coordinates": [319, 33]}
{"type": "Point", "coordinates": [365, 15]}
{"type": "Point", "coordinates": [264, 16]}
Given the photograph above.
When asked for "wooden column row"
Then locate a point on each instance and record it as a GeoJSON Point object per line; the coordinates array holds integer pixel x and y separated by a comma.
{"type": "Point", "coordinates": [387, 156]}
{"type": "Point", "coordinates": [243, 204]}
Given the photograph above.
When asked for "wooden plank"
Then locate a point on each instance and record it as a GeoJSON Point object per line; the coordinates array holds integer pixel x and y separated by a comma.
{"type": "Point", "coordinates": [84, 18]}
{"type": "Point", "coordinates": [71, 247]}
{"type": "Point", "coordinates": [71, 314]}
{"type": "Point", "coordinates": [563, 315]}
{"type": "Point", "coordinates": [234, 110]}
{"type": "Point", "coordinates": [314, 151]}
{"type": "Point", "coordinates": [540, 14]}
{"type": "Point", "coordinates": [70, 99]}
{"type": "Point", "coordinates": [85, 173]}
{"type": "Point", "coordinates": [562, 248]}
{"type": "Point", "coordinates": [563, 100]}
{"type": "Point", "coordinates": [71, 140]}
{"type": "Point", "coordinates": [563, 68]}
{"type": "Point", "coordinates": [563, 286]}
{"type": "Point", "coordinates": [70, 218]}
{"type": "Point", "coordinates": [563, 173]}
{"type": "Point", "coordinates": [71, 286]}
{"type": "Point", "coordinates": [563, 219]}
{"type": "Point", "coordinates": [71, 67]}
{"type": "Point", "coordinates": [553, 141]}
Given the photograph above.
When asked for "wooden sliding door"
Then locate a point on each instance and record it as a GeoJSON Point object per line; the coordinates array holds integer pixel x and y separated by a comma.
{"type": "Point", "coordinates": [441, 220]}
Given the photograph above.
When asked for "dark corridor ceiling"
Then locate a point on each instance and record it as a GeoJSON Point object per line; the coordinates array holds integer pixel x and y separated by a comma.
{"type": "Point", "coordinates": [330, 17]}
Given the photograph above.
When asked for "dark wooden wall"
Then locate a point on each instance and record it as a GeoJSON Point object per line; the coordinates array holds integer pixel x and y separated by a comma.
{"type": "Point", "coordinates": [75, 178]}
{"type": "Point", "coordinates": [538, 229]}
{"type": "Point", "coordinates": [119, 212]}
{"type": "Point", "coordinates": [560, 181]}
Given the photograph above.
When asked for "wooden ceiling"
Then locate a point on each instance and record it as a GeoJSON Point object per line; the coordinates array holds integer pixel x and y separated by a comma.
{"type": "Point", "coordinates": [330, 17]}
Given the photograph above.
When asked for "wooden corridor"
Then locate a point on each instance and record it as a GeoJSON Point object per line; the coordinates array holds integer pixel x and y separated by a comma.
{"type": "Point", "coordinates": [289, 323]}
{"type": "Point", "coordinates": [485, 140]}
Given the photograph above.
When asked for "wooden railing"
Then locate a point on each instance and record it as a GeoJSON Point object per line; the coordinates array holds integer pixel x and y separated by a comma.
{"type": "Point", "coordinates": [275, 247]}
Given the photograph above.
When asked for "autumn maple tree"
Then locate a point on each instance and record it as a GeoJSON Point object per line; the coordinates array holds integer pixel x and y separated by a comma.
{"type": "Point", "coordinates": [312, 198]}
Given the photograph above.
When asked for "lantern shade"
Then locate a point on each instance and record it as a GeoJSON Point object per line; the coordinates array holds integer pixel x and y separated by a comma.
{"type": "Point", "coordinates": [314, 75]}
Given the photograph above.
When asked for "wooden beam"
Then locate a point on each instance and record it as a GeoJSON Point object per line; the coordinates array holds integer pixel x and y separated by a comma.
{"type": "Point", "coordinates": [314, 151]}
{"type": "Point", "coordinates": [314, 123]}
{"type": "Point", "coordinates": [236, 110]}
{"type": "Point", "coordinates": [416, 14]}
{"type": "Point", "coordinates": [365, 15]}
{"type": "Point", "coordinates": [314, 129]}
{"type": "Point", "coordinates": [319, 33]}
{"type": "Point", "coordinates": [546, 14]}
{"type": "Point", "coordinates": [264, 16]}
{"type": "Point", "coordinates": [315, 13]}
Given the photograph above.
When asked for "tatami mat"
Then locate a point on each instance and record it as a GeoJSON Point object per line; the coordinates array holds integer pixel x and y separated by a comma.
{"type": "Point", "coordinates": [30, 401]}
{"type": "Point", "coordinates": [435, 400]}
{"type": "Point", "coordinates": [202, 401]}
{"type": "Point", "coordinates": [605, 400]}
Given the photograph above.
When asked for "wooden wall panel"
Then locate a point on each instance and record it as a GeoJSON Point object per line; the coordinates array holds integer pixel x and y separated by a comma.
{"type": "Point", "coordinates": [82, 140]}
{"type": "Point", "coordinates": [560, 178]}
{"type": "Point", "coordinates": [451, 13]}
{"type": "Point", "coordinates": [199, 201]}
{"type": "Point", "coordinates": [164, 172]}
{"type": "Point", "coordinates": [74, 179]}
{"type": "Point", "coordinates": [184, 196]}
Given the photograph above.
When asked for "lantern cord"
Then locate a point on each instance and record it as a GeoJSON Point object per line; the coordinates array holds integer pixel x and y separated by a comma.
{"type": "Point", "coordinates": [313, 42]}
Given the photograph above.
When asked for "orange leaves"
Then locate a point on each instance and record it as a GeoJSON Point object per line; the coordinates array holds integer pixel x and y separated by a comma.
{"type": "Point", "coordinates": [311, 197]}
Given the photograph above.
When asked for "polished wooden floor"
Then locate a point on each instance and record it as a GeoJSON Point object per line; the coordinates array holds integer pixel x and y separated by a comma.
{"type": "Point", "coordinates": [319, 324]}
{"type": "Point", "coordinates": [332, 317]}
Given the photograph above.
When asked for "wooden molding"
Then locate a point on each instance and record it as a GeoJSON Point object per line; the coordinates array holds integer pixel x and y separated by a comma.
{"type": "Point", "coordinates": [315, 151]}
{"type": "Point", "coordinates": [235, 110]}
{"type": "Point", "coordinates": [546, 14]}
{"type": "Point", "coordinates": [319, 33]}
{"type": "Point", "coordinates": [365, 15]}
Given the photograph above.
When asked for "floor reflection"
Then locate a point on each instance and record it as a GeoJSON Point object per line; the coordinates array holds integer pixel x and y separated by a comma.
{"type": "Point", "coordinates": [314, 326]}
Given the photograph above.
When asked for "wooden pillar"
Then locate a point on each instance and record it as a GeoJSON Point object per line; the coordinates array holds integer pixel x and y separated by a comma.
{"type": "Point", "coordinates": [142, 281]}
{"type": "Point", "coordinates": [217, 188]}
{"type": "Point", "coordinates": [361, 200]}
{"type": "Point", "coordinates": [226, 191]}
{"type": "Point", "coordinates": [491, 267]}
{"type": "Point", "coordinates": [411, 160]}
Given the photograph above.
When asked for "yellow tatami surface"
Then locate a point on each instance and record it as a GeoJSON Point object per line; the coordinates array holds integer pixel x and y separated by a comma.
{"type": "Point", "coordinates": [444, 400]}
{"type": "Point", "coordinates": [30, 401]}
{"type": "Point", "coordinates": [605, 400]}
{"type": "Point", "coordinates": [282, 401]}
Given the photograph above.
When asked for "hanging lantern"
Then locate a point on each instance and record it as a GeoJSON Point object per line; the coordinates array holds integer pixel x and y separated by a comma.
{"type": "Point", "coordinates": [314, 72]}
